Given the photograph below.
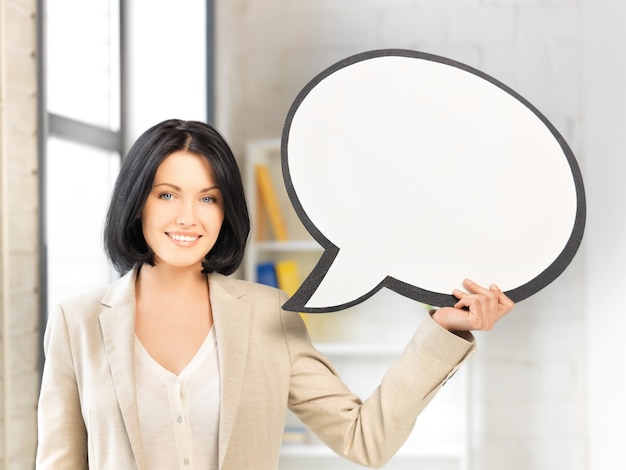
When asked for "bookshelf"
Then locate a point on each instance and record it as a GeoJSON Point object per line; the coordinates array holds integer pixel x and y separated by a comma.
{"type": "Point", "coordinates": [359, 344]}
{"type": "Point", "coordinates": [263, 245]}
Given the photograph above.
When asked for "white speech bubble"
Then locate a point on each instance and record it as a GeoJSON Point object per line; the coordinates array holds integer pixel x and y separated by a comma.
{"type": "Point", "coordinates": [414, 172]}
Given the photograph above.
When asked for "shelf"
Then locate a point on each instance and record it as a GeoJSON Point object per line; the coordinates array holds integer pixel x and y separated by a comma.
{"type": "Point", "coordinates": [320, 451]}
{"type": "Point", "coordinates": [292, 245]}
{"type": "Point", "coordinates": [348, 350]}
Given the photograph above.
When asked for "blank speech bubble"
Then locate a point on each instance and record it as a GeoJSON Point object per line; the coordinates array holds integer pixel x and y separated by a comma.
{"type": "Point", "coordinates": [414, 172]}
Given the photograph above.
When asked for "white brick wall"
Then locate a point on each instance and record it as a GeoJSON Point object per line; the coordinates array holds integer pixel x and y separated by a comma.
{"type": "Point", "coordinates": [604, 119]}
{"type": "Point", "coordinates": [529, 389]}
{"type": "Point", "coordinates": [19, 372]}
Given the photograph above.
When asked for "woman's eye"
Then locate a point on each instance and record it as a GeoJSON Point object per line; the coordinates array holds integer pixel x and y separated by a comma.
{"type": "Point", "coordinates": [166, 196]}
{"type": "Point", "coordinates": [208, 199]}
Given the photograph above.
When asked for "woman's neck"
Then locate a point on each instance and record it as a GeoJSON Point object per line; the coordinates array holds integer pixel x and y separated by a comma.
{"type": "Point", "coordinates": [171, 280]}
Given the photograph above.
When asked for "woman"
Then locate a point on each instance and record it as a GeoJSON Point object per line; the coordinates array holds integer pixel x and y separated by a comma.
{"type": "Point", "coordinates": [176, 365]}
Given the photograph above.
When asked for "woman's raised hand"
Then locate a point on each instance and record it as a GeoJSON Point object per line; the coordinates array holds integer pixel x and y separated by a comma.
{"type": "Point", "coordinates": [477, 309]}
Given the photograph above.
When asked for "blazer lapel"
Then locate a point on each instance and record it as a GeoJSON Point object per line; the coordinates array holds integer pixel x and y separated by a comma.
{"type": "Point", "coordinates": [118, 330]}
{"type": "Point", "coordinates": [231, 317]}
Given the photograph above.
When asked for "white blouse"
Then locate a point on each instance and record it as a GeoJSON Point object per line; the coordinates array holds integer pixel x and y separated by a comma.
{"type": "Point", "coordinates": [179, 415]}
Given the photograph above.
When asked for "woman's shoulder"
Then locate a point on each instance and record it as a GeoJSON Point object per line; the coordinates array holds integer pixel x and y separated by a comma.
{"type": "Point", "coordinates": [242, 287]}
{"type": "Point", "coordinates": [93, 301]}
{"type": "Point", "coordinates": [90, 297]}
{"type": "Point", "coordinates": [258, 295]}
{"type": "Point", "coordinates": [76, 314]}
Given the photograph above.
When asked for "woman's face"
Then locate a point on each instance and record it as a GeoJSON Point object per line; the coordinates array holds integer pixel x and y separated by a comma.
{"type": "Point", "coordinates": [183, 214]}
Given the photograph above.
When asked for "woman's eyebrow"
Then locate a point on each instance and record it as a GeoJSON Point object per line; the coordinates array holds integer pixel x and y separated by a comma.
{"type": "Point", "coordinates": [177, 188]}
{"type": "Point", "coordinates": [173, 186]}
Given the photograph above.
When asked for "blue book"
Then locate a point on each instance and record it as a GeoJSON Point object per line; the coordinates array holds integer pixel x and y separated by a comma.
{"type": "Point", "coordinates": [266, 274]}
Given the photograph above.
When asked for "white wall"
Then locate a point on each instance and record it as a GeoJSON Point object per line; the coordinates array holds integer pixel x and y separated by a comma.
{"type": "Point", "coordinates": [604, 125]}
{"type": "Point", "coordinates": [530, 394]}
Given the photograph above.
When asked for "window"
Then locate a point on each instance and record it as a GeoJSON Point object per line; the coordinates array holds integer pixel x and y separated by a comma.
{"type": "Point", "coordinates": [82, 149]}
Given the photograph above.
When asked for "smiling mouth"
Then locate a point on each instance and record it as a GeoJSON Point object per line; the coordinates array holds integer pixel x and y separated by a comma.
{"type": "Point", "coordinates": [183, 238]}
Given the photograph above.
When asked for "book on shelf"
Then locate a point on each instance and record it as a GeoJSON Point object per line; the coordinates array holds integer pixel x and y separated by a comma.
{"type": "Point", "coordinates": [282, 274]}
{"type": "Point", "coordinates": [288, 279]}
{"type": "Point", "coordinates": [287, 276]}
{"type": "Point", "coordinates": [262, 230]}
{"type": "Point", "coordinates": [268, 200]}
{"type": "Point", "coordinates": [266, 274]}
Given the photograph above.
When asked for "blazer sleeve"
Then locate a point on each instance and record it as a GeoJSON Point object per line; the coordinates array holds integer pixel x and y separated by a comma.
{"type": "Point", "coordinates": [370, 433]}
{"type": "Point", "coordinates": [62, 436]}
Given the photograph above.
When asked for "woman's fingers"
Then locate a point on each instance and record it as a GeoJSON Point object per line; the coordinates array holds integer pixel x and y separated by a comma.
{"type": "Point", "coordinates": [478, 309]}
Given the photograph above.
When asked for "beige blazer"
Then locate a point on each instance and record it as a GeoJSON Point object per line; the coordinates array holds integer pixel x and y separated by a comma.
{"type": "Point", "coordinates": [88, 414]}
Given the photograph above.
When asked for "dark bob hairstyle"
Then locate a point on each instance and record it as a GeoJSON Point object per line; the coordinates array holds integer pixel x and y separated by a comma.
{"type": "Point", "coordinates": [124, 242]}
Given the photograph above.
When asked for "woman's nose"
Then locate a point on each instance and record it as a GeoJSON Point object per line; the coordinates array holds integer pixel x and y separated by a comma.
{"type": "Point", "coordinates": [186, 215]}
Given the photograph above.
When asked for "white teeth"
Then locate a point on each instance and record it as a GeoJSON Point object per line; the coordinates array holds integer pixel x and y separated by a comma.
{"type": "Point", "coordinates": [182, 238]}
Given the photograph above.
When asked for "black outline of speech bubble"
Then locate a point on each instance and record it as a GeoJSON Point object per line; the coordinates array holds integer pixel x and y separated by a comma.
{"type": "Point", "coordinates": [298, 301]}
